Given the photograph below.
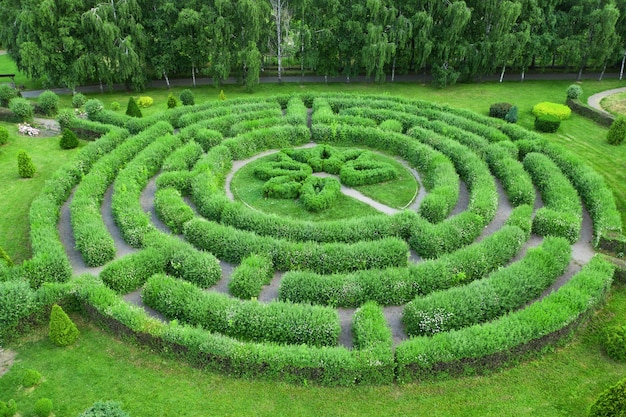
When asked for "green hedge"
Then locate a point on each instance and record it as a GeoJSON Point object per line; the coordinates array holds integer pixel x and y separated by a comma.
{"type": "Point", "coordinates": [233, 245]}
{"type": "Point", "coordinates": [503, 291]}
{"type": "Point", "coordinates": [562, 212]}
{"type": "Point", "coordinates": [514, 179]}
{"type": "Point", "coordinates": [296, 112]}
{"type": "Point", "coordinates": [183, 158]}
{"type": "Point", "coordinates": [318, 194]}
{"type": "Point", "coordinates": [17, 301]}
{"type": "Point", "coordinates": [362, 171]}
{"type": "Point", "coordinates": [245, 126]}
{"type": "Point", "coordinates": [491, 345]}
{"type": "Point", "coordinates": [250, 276]}
{"type": "Point", "coordinates": [397, 286]}
{"type": "Point", "coordinates": [277, 137]}
{"type": "Point", "coordinates": [172, 209]}
{"type": "Point", "coordinates": [207, 138]}
{"type": "Point", "coordinates": [276, 322]}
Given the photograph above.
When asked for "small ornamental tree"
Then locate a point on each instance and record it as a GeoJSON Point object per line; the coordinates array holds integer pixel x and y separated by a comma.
{"type": "Point", "coordinates": [187, 98]}
{"type": "Point", "coordinates": [25, 166]}
{"type": "Point", "coordinates": [171, 101]}
{"type": "Point", "coordinates": [63, 331]}
{"type": "Point", "coordinates": [4, 135]}
{"type": "Point", "coordinates": [617, 131]}
{"type": "Point", "coordinates": [132, 109]}
{"type": "Point", "coordinates": [611, 403]}
{"type": "Point", "coordinates": [68, 140]}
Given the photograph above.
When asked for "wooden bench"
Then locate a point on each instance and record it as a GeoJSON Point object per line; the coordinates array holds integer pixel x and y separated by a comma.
{"type": "Point", "coordinates": [11, 76]}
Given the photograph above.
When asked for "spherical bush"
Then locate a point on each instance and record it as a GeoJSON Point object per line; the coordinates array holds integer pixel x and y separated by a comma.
{"type": "Point", "coordinates": [22, 108]}
{"type": "Point", "coordinates": [574, 91]}
{"type": "Point", "coordinates": [48, 103]}
{"type": "Point", "coordinates": [43, 407]}
{"type": "Point", "coordinates": [30, 378]}
{"type": "Point", "coordinates": [78, 100]}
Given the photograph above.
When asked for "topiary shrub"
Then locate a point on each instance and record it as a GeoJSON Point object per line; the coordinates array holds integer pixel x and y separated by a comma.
{"type": "Point", "coordinates": [511, 116]}
{"type": "Point", "coordinates": [611, 403]}
{"type": "Point", "coordinates": [78, 100]}
{"type": "Point", "coordinates": [22, 108]}
{"type": "Point", "coordinates": [4, 135]}
{"type": "Point", "coordinates": [547, 123]}
{"type": "Point", "coordinates": [43, 407]}
{"type": "Point", "coordinates": [63, 331]}
{"type": "Point", "coordinates": [48, 103]}
{"type": "Point", "coordinates": [187, 98]}
{"type": "Point", "coordinates": [171, 101]}
{"type": "Point", "coordinates": [617, 131]}
{"type": "Point", "coordinates": [7, 93]}
{"type": "Point", "coordinates": [145, 101]}
{"type": "Point", "coordinates": [30, 378]}
{"type": "Point", "coordinates": [574, 91]}
{"type": "Point", "coordinates": [105, 409]}
{"type": "Point", "coordinates": [93, 107]}
{"type": "Point", "coordinates": [132, 109]}
{"type": "Point", "coordinates": [68, 140]}
{"type": "Point", "coordinates": [115, 106]}
{"type": "Point", "coordinates": [8, 409]}
{"type": "Point", "coordinates": [560, 111]}
{"type": "Point", "coordinates": [499, 110]}
{"type": "Point", "coordinates": [65, 118]}
{"type": "Point", "coordinates": [615, 343]}
{"type": "Point", "coordinates": [25, 166]}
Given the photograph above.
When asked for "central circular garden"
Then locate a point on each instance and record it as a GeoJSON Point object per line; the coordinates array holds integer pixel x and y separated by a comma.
{"type": "Point", "coordinates": [484, 256]}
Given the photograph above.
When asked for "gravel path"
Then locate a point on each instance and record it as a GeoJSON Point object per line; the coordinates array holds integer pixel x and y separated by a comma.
{"type": "Point", "coordinates": [594, 100]}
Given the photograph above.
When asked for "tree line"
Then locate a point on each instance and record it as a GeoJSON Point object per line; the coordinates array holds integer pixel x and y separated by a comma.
{"type": "Point", "coordinates": [73, 42]}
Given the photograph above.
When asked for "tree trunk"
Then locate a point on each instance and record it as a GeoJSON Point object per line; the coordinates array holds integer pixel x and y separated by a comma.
{"type": "Point", "coordinates": [393, 68]}
{"type": "Point", "coordinates": [580, 73]}
{"type": "Point", "coordinates": [101, 86]}
{"type": "Point", "coordinates": [278, 39]}
{"type": "Point", "coordinates": [326, 78]}
{"type": "Point", "coordinates": [621, 71]}
{"type": "Point", "coordinates": [523, 74]}
{"type": "Point", "coordinates": [193, 74]}
{"type": "Point", "coordinates": [502, 73]}
{"type": "Point", "coordinates": [602, 73]}
{"type": "Point", "coordinates": [167, 80]}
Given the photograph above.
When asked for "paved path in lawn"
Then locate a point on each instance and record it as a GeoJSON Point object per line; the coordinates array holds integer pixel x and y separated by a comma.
{"type": "Point", "coordinates": [594, 100]}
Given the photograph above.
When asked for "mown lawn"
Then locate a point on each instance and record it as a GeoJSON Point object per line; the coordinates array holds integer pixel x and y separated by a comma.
{"type": "Point", "coordinates": [561, 383]}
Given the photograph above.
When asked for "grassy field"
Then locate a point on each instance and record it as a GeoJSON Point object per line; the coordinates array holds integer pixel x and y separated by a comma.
{"type": "Point", "coordinates": [99, 367]}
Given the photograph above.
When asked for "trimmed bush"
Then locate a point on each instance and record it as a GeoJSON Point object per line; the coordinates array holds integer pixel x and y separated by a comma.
{"type": "Point", "coordinates": [512, 116]}
{"type": "Point", "coordinates": [318, 194]}
{"type": "Point", "coordinates": [499, 110]}
{"type": "Point", "coordinates": [250, 276]}
{"type": "Point", "coordinates": [25, 166]}
{"type": "Point", "coordinates": [22, 108]}
{"type": "Point", "coordinates": [68, 139]}
{"type": "Point", "coordinates": [282, 186]}
{"type": "Point", "coordinates": [615, 343]}
{"type": "Point", "coordinates": [30, 378]}
{"type": "Point", "coordinates": [132, 109]}
{"type": "Point", "coordinates": [145, 101]}
{"type": "Point", "coordinates": [78, 100]}
{"type": "Point", "coordinates": [560, 111]}
{"type": "Point", "coordinates": [4, 135]}
{"type": "Point", "coordinates": [105, 409]}
{"type": "Point", "coordinates": [574, 91]}
{"type": "Point", "coordinates": [391, 125]}
{"type": "Point", "coordinates": [63, 331]}
{"type": "Point", "coordinates": [8, 409]}
{"type": "Point", "coordinates": [547, 123]}
{"type": "Point", "coordinates": [187, 97]}
{"type": "Point", "coordinates": [277, 322]}
{"type": "Point", "coordinates": [48, 103]}
{"type": "Point", "coordinates": [172, 209]}
{"type": "Point", "coordinates": [43, 407]}
{"type": "Point", "coordinates": [362, 171]}
{"type": "Point", "coordinates": [7, 93]}
{"type": "Point", "coordinates": [171, 101]}
{"type": "Point", "coordinates": [611, 403]}
{"type": "Point", "coordinates": [296, 112]}
{"type": "Point", "coordinates": [617, 131]}
{"type": "Point", "coordinates": [93, 107]}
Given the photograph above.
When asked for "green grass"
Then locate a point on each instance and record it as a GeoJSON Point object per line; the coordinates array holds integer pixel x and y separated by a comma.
{"type": "Point", "coordinates": [7, 66]}
{"type": "Point", "coordinates": [18, 193]}
{"type": "Point", "coordinates": [615, 103]}
{"type": "Point", "coordinates": [100, 367]}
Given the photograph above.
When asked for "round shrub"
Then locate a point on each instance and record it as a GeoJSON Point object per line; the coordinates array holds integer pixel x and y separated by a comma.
{"type": "Point", "coordinates": [574, 91]}
{"type": "Point", "coordinates": [560, 111]}
{"type": "Point", "coordinates": [78, 100]}
{"type": "Point", "coordinates": [48, 103]}
{"type": "Point", "coordinates": [617, 131]}
{"type": "Point", "coordinates": [615, 343]}
{"type": "Point", "coordinates": [93, 107]}
{"type": "Point", "coordinates": [105, 409]}
{"type": "Point", "coordinates": [8, 409]}
{"type": "Point", "coordinates": [25, 166]}
{"type": "Point", "coordinates": [68, 140]}
{"type": "Point", "coordinates": [187, 98]}
{"type": "Point", "coordinates": [115, 106]}
{"type": "Point", "coordinates": [7, 93]}
{"type": "Point", "coordinates": [611, 403]}
{"type": "Point", "coordinates": [22, 108]}
{"type": "Point", "coordinates": [547, 123]}
{"type": "Point", "coordinates": [4, 135]}
{"type": "Point", "coordinates": [63, 331]}
{"type": "Point", "coordinates": [145, 101]}
{"type": "Point", "coordinates": [30, 378]}
{"type": "Point", "coordinates": [65, 118]}
{"type": "Point", "coordinates": [499, 110]}
{"type": "Point", "coordinates": [43, 407]}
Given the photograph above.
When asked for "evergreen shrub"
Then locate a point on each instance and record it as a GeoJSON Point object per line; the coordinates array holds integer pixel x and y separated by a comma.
{"type": "Point", "coordinates": [43, 407]}
{"type": "Point", "coordinates": [48, 103]}
{"type": "Point", "coordinates": [187, 97]}
{"type": "Point", "coordinates": [560, 111]}
{"type": "Point", "coordinates": [547, 123]}
{"type": "Point", "coordinates": [63, 331]}
{"type": "Point", "coordinates": [68, 139]}
{"type": "Point", "coordinates": [7, 93]}
{"type": "Point", "coordinates": [8, 409]}
{"type": "Point", "coordinates": [4, 135]}
{"type": "Point", "coordinates": [25, 166]}
{"type": "Point", "coordinates": [78, 100]}
{"type": "Point", "coordinates": [615, 343]}
{"type": "Point", "coordinates": [132, 109]}
{"type": "Point", "coordinates": [617, 131]}
{"type": "Point", "coordinates": [171, 101]}
{"type": "Point", "coordinates": [512, 115]}
{"type": "Point", "coordinates": [93, 107]}
{"type": "Point", "coordinates": [145, 101]}
{"type": "Point", "coordinates": [611, 403]}
{"type": "Point", "coordinates": [22, 108]}
{"type": "Point", "coordinates": [30, 378]}
{"type": "Point", "coordinates": [574, 91]}
{"type": "Point", "coordinates": [499, 110]}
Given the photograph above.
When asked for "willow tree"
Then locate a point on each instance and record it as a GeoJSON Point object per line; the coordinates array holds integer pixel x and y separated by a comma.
{"type": "Point", "coordinates": [248, 20]}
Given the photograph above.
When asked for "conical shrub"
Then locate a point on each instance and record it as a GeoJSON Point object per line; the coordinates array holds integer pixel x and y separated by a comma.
{"type": "Point", "coordinates": [68, 140]}
{"type": "Point", "coordinates": [132, 109]}
{"type": "Point", "coordinates": [25, 166]}
{"type": "Point", "coordinates": [63, 331]}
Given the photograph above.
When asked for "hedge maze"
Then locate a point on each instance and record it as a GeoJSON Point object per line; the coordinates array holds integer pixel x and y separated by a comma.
{"type": "Point", "coordinates": [480, 283]}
